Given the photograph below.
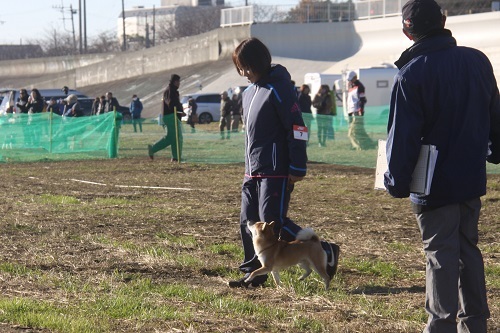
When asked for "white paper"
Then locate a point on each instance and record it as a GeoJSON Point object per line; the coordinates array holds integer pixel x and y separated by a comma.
{"type": "Point", "coordinates": [422, 175]}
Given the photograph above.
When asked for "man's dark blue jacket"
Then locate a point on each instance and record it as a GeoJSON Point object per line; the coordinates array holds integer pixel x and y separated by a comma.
{"type": "Point", "coordinates": [444, 95]}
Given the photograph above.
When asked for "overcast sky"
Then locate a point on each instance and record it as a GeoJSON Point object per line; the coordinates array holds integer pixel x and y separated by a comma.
{"type": "Point", "coordinates": [24, 20]}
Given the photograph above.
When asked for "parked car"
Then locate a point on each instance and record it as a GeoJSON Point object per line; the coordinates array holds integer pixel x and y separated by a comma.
{"type": "Point", "coordinates": [8, 104]}
{"type": "Point", "coordinates": [125, 111]}
{"type": "Point", "coordinates": [208, 107]}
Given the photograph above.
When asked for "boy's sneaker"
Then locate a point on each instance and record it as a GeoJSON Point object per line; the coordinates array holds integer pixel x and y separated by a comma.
{"type": "Point", "coordinates": [332, 262]}
{"type": "Point", "coordinates": [256, 282]}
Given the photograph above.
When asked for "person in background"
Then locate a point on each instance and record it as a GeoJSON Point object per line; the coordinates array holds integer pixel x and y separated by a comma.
{"type": "Point", "coordinates": [445, 95]}
{"type": "Point", "coordinates": [192, 114]}
{"type": "Point", "coordinates": [72, 108]}
{"type": "Point", "coordinates": [32, 127]}
{"type": "Point", "coordinates": [53, 106]}
{"type": "Point", "coordinates": [297, 89]}
{"type": "Point", "coordinates": [235, 112]}
{"type": "Point", "coordinates": [136, 110]}
{"type": "Point", "coordinates": [305, 104]}
{"type": "Point", "coordinates": [36, 103]}
{"type": "Point", "coordinates": [323, 104]}
{"type": "Point", "coordinates": [111, 103]}
{"type": "Point", "coordinates": [102, 104]}
{"type": "Point", "coordinates": [356, 97]}
{"type": "Point", "coordinates": [65, 90]}
{"type": "Point", "coordinates": [22, 101]}
{"type": "Point", "coordinates": [95, 106]}
{"type": "Point", "coordinates": [172, 114]}
{"type": "Point", "coordinates": [356, 101]}
{"type": "Point", "coordinates": [225, 115]}
{"type": "Point", "coordinates": [275, 155]}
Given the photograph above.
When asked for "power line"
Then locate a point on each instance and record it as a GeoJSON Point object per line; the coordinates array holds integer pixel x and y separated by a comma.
{"type": "Point", "coordinates": [72, 12]}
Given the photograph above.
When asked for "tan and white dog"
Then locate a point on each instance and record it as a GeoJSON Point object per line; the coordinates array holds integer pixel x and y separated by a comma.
{"type": "Point", "coordinates": [275, 254]}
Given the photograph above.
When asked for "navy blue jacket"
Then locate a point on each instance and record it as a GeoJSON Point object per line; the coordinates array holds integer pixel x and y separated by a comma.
{"type": "Point", "coordinates": [136, 108]}
{"type": "Point", "coordinates": [270, 111]}
{"type": "Point", "coordinates": [447, 96]}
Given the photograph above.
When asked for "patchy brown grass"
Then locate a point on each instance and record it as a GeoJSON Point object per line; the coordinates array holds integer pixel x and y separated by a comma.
{"type": "Point", "coordinates": [82, 236]}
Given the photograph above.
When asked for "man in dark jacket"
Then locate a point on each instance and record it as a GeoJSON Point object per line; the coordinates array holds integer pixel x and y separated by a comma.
{"type": "Point", "coordinates": [111, 103]}
{"type": "Point", "coordinates": [447, 96]}
{"type": "Point", "coordinates": [136, 110]}
{"type": "Point", "coordinates": [225, 115]}
{"type": "Point", "coordinates": [172, 114]}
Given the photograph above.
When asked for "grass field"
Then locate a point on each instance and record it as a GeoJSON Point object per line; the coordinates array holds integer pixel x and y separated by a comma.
{"type": "Point", "coordinates": [129, 245]}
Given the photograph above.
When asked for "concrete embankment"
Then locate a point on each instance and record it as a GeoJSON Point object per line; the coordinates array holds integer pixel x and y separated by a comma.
{"type": "Point", "coordinates": [204, 60]}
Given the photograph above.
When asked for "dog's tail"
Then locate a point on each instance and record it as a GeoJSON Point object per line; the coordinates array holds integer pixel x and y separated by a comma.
{"type": "Point", "coordinates": [307, 234]}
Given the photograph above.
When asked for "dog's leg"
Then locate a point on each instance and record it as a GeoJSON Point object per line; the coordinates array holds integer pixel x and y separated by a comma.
{"type": "Point", "coordinates": [276, 277]}
{"type": "Point", "coordinates": [320, 267]}
{"type": "Point", "coordinates": [305, 266]}
{"type": "Point", "coordinates": [261, 271]}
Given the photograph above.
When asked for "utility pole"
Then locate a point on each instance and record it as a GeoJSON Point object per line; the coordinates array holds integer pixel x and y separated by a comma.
{"type": "Point", "coordinates": [154, 26]}
{"type": "Point", "coordinates": [85, 24]}
{"type": "Point", "coordinates": [124, 48]}
{"type": "Point", "coordinates": [80, 24]}
{"type": "Point", "coordinates": [72, 12]}
{"type": "Point", "coordinates": [148, 42]}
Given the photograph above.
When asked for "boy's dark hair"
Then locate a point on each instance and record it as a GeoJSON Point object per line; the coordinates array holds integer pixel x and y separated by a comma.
{"type": "Point", "coordinates": [252, 55]}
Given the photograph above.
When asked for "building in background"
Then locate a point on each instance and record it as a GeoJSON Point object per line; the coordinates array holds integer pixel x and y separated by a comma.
{"type": "Point", "coordinates": [145, 27]}
{"type": "Point", "coordinates": [10, 52]}
{"type": "Point", "coordinates": [192, 3]}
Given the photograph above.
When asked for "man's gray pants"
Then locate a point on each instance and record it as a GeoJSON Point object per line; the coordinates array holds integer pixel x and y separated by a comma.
{"type": "Point", "coordinates": [455, 283]}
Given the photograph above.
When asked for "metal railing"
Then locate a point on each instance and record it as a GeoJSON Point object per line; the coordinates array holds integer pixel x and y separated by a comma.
{"type": "Point", "coordinates": [237, 16]}
{"type": "Point", "coordinates": [311, 12]}
{"type": "Point", "coordinates": [368, 9]}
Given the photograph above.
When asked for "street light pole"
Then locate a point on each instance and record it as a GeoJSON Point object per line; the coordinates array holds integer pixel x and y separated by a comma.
{"type": "Point", "coordinates": [85, 25]}
{"type": "Point", "coordinates": [124, 48]}
{"type": "Point", "coordinates": [80, 25]}
{"type": "Point", "coordinates": [73, 12]}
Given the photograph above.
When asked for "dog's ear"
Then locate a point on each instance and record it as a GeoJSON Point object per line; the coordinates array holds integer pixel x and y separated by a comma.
{"type": "Point", "coordinates": [270, 225]}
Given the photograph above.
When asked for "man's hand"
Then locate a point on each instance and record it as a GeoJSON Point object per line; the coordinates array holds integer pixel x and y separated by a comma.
{"type": "Point", "coordinates": [293, 179]}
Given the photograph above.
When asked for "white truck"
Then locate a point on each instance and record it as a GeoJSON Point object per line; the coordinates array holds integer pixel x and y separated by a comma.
{"type": "Point", "coordinates": [378, 83]}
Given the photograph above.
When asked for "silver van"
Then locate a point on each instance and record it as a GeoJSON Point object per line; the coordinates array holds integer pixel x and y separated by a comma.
{"type": "Point", "coordinates": [208, 107]}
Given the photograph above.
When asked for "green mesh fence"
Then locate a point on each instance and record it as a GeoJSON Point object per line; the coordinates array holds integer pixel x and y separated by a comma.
{"type": "Point", "coordinates": [347, 143]}
{"type": "Point", "coordinates": [47, 136]}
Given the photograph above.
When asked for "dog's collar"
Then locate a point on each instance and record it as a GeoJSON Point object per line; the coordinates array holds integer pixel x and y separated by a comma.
{"type": "Point", "coordinates": [267, 248]}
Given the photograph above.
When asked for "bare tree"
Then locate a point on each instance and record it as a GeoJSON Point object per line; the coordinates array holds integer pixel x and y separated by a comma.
{"type": "Point", "coordinates": [189, 21]}
{"type": "Point", "coordinates": [269, 13]}
{"type": "Point", "coordinates": [56, 43]}
{"type": "Point", "coordinates": [321, 11]}
{"type": "Point", "coordinates": [104, 42]}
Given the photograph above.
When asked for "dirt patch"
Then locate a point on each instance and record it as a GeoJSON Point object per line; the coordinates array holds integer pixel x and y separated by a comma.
{"type": "Point", "coordinates": [89, 220]}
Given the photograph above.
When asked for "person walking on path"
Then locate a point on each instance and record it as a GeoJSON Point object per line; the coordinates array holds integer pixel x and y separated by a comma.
{"type": "Point", "coordinates": [172, 114]}
{"type": "Point", "coordinates": [225, 115]}
{"type": "Point", "coordinates": [275, 154]}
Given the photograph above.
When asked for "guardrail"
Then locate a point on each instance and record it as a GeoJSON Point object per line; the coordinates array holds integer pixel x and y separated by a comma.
{"type": "Point", "coordinates": [311, 12]}
{"type": "Point", "coordinates": [236, 16]}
